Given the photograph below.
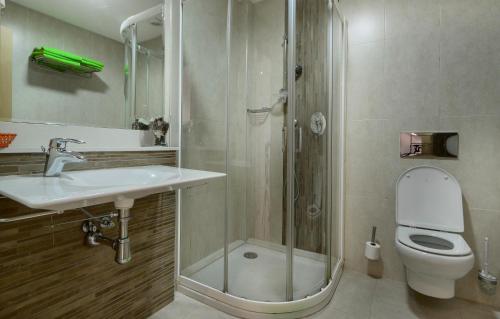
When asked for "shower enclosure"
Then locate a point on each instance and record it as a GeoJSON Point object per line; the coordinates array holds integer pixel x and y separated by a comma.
{"type": "Point", "coordinates": [144, 65]}
{"type": "Point", "coordinates": [262, 100]}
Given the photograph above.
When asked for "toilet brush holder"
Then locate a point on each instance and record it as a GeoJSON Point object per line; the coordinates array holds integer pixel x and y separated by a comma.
{"type": "Point", "coordinates": [484, 275]}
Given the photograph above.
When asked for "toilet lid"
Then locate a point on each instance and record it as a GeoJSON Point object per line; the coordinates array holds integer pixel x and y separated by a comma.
{"type": "Point", "coordinates": [429, 197]}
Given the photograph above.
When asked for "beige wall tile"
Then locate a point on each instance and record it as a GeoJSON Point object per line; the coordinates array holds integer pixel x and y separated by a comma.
{"type": "Point", "coordinates": [366, 20]}
{"type": "Point", "coordinates": [365, 81]}
{"type": "Point", "coordinates": [434, 68]}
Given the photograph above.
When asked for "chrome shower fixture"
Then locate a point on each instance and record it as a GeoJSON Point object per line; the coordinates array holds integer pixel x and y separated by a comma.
{"type": "Point", "coordinates": [282, 99]}
{"type": "Point", "coordinates": [283, 95]}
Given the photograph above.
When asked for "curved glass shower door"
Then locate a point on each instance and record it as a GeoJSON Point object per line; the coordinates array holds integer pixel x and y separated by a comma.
{"type": "Point", "coordinates": [204, 142]}
{"type": "Point", "coordinates": [265, 233]}
{"type": "Point", "coordinates": [256, 113]}
{"type": "Point", "coordinates": [311, 215]}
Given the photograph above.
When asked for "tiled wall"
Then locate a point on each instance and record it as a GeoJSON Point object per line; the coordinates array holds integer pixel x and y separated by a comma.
{"type": "Point", "coordinates": [47, 272]}
{"type": "Point", "coordinates": [423, 65]}
{"type": "Point", "coordinates": [46, 96]}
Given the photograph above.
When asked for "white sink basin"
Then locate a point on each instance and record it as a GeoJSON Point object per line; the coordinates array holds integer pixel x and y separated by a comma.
{"type": "Point", "coordinates": [119, 176]}
{"type": "Point", "coordinates": [85, 188]}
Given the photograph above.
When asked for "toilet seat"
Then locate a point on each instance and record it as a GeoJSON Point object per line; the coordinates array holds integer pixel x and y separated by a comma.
{"type": "Point", "coordinates": [407, 236]}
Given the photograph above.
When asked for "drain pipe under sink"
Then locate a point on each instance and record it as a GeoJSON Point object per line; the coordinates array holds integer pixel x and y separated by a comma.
{"type": "Point", "coordinates": [122, 243]}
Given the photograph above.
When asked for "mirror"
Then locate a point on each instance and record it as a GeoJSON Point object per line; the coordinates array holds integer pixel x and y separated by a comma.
{"type": "Point", "coordinates": [80, 62]}
{"type": "Point", "coordinates": [428, 145]}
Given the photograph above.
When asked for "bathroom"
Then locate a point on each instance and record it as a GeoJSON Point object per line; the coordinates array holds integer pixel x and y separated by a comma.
{"type": "Point", "coordinates": [249, 159]}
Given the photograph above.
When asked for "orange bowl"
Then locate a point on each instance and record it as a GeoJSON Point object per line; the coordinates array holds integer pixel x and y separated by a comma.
{"type": "Point", "coordinates": [6, 139]}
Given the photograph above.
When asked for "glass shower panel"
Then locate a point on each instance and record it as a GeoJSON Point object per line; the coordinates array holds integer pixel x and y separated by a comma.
{"type": "Point", "coordinates": [336, 99]}
{"type": "Point", "coordinates": [203, 145]}
{"type": "Point", "coordinates": [255, 155]}
{"type": "Point", "coordinates": [312, 214]}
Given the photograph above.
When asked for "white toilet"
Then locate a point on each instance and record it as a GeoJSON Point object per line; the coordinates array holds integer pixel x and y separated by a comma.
{"type": "Point", "coordinates": [430, 220]}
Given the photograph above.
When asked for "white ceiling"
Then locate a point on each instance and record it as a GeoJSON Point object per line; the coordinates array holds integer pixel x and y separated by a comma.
{"type": "Point", "coordinates": [99, 16]}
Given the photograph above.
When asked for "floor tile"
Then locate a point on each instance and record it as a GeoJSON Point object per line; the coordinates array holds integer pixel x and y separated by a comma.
{"type": "Point", "coordinates": [358, 296]}
{"type": "Point", "coordinates": [354, 294]}
{"type": "Point", "coordinates": [184, 307]}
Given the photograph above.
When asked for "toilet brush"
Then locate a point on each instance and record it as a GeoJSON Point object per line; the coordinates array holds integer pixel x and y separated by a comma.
{"type": "Point", "coordinates": [484, 275]}
{"type": "Point", "coordinates": [374, 231]}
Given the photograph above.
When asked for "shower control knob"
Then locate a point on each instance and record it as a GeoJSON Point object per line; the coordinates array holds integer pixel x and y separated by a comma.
{"type": "Point", "coordinates": [318, 123]}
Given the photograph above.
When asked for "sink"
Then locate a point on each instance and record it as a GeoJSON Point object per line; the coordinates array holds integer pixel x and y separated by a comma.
{"type": "Point", "coordinates": [91, 187]}
{"type": "Point", "coordinates": [119, 176]}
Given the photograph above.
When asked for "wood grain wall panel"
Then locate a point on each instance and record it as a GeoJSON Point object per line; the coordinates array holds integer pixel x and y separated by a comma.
{"type": "Point", "coordinates": [312, 96]}
{"type": "Point", "coordinates": [46, 271]}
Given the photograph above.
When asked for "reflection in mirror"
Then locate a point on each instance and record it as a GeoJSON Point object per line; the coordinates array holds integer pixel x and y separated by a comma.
{"type": "Point", "coordinates": [80, 71]}
{"type": "Point", "coordinates": [144, 65]}
{"type": "Point", "coordinates": [428, 145]}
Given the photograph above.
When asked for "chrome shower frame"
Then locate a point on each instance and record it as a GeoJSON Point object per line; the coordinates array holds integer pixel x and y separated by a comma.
{"type": "Point", "coordinates": [246, 308]}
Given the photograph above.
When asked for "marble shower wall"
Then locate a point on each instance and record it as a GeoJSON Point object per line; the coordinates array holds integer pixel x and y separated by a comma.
{"type": "Point", "coordinates": [46, 96]}
{"type": "Point", "coordinates": [423, 65]}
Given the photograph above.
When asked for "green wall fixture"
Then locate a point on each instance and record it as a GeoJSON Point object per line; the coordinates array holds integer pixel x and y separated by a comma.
{"type": "Point", "coordinates": [63, 61]}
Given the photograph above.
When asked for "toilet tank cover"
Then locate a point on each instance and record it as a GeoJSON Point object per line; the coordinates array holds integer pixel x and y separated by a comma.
{"type": "Point", "coordinates": [429, 197]}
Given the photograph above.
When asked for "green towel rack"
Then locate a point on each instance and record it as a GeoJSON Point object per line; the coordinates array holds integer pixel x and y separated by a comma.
{"type": "Point", "coordinates": [63, 61]}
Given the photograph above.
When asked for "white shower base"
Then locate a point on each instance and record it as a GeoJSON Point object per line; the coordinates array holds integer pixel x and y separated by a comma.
{"type": "Point", "coordinates": [264, 278]}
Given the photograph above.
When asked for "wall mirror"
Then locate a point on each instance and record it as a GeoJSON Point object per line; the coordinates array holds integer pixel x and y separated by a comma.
{"type": "Point", "coordinates": [77, 62]}
{"type": "Point", "coordinates": [428, 145]}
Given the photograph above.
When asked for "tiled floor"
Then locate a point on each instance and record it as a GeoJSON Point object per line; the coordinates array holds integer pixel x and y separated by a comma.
{"type": "Point", "coordinates": [357, 297]}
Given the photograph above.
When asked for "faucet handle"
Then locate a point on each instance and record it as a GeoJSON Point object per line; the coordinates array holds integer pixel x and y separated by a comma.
{"type": "Point", "coordinates": [60, 143]}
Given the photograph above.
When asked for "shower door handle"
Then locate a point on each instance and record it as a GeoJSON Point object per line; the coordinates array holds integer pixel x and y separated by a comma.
{"type": "Point", "coordinates": [298, 138]}
{"type": "Point", "coordinates": [283, 139]}
{"type": "Point", "coordinates": [298, 132]}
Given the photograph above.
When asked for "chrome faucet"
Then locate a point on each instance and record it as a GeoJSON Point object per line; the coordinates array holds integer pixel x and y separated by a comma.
{"type": "Point", "coordinates": [57, 155]}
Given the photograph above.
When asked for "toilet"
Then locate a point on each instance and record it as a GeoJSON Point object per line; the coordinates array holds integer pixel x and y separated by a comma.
{"type": "Point", "coordinates": [430, 223]}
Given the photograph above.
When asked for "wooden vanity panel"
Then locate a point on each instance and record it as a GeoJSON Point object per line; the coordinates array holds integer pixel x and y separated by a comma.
{"type": "Point", "coordinates": [46, 271]}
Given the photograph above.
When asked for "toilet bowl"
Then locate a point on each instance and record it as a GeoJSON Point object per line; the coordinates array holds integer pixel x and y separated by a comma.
{"type": "Point", "coordinates": [429, 215]}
